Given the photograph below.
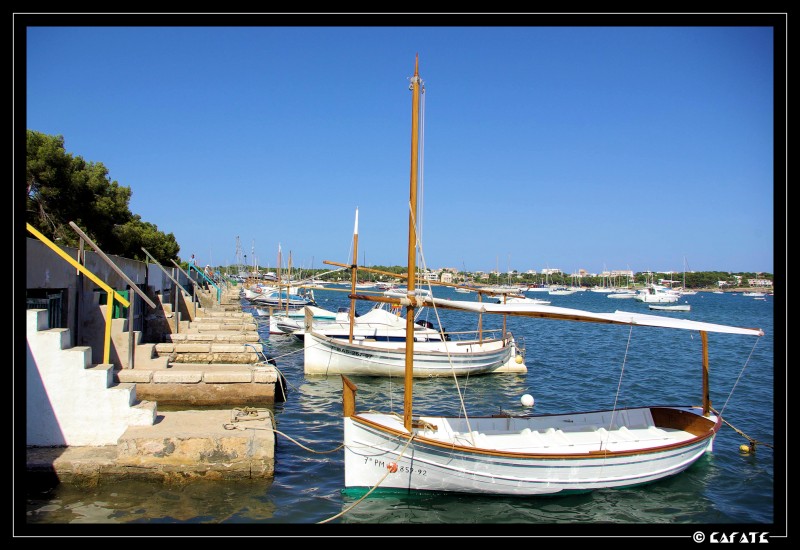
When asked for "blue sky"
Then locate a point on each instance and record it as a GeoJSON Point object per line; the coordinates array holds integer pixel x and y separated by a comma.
{"type": "Point", "coordinates": [643, 148]}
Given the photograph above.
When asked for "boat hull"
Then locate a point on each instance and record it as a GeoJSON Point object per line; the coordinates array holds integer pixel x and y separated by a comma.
{"type": "Point", "coordinates": [671, 308]}
{"type": "Point", "coordinates": [431, 465]}
{"type": "Point", "coordinates": [323, 355]}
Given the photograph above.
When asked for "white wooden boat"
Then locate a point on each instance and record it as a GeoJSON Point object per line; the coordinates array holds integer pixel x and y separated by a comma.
{"type": "Point", "coordinates": [287, 322]}
{"type": "Point", "coordinates": [253, 291]}
{"type": "Point", "coordinates": [353, 350]}
{"type": "Point", "coordinates": [432, 358]}
{"type": "Point", "coordinates": [375, 345]}
{"type": "Point", "coordinates": [377, 325]}
{"type": "Point", "coordinates": [281, 299]}
{"type": "Point", "coordinates": [530, 455]}
{"type": "Point", "coordinates": [678, 307]}
{"type": "Point", "coordinates": [561, 292]}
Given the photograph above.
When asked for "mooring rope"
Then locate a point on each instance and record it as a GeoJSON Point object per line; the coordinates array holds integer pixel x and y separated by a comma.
{"type": "Point", "coordinates": [272, 360]}
{"type": "Point", "coordinates": [245, 414]}
{"type": "Point", "coordinates": [390, 469]}
{"type": "Point", "coordinates": [753, 442]}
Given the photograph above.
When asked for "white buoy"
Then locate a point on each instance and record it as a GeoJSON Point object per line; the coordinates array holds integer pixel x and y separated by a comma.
{"type": "Point", "coordinates": [527, 400]}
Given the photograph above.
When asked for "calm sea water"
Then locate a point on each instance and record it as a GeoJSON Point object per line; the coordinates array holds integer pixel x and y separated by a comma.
{"type": "Point", "coordinates": [571, 366]}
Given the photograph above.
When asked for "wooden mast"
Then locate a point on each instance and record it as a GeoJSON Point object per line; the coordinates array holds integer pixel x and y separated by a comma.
{"type": "Point", "coordinates": [353, 279]}
{"type": "Point", "coordinates": [412, 248]}
{"type": "Point", "coordinates": [289, 286]}
{"type": "Point", "coordinates": [706, 395]}
{"type": "Point", "coordinates": [279, 277]}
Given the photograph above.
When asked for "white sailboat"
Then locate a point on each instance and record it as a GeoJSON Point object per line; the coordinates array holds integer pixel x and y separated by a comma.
{"type": "Point", "coordinates": [375, 344]}
{"type": "Point", "coordinates": [685, 291]}
{"type": "Point", "coordinates": [530, 455]}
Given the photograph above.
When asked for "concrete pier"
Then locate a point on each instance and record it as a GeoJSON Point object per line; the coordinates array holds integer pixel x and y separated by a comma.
{"type": "Point", "coordinates": [102, 423]}
{"type": "Point", "coordinates": [180, 447]}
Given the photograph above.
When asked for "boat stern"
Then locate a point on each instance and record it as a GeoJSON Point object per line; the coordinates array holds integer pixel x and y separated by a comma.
{"type": "Point", "coordinates": [515, 364]}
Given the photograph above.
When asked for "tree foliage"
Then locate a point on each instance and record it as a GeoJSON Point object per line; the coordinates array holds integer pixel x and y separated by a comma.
{"type": "Point", "coordinates": [63, 188]}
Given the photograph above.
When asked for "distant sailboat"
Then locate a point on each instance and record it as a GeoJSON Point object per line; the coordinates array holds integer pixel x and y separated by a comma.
{"type": "Point", "coordinates": [685, 291]}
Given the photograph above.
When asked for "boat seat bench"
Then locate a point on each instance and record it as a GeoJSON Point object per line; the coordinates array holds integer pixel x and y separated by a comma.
{"type": "Point", "coordinates": [637, 428]}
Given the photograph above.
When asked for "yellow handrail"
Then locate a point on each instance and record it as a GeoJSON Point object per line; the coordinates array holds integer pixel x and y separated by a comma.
{"type": "Point", "coordinates": [111, 292]}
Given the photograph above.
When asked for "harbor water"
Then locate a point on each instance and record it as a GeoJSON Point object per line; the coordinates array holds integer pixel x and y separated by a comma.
{"type": "Point", "coordinates": [571, 366]}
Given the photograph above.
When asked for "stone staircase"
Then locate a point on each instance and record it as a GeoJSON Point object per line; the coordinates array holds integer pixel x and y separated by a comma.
{"type": "Point", "coordinates": [84, 428]}
{"type": "Point", "coordinates": [214, 357]}
{"type": "Point", "coordinates": [215, 335]}
{"type": "Point", "coordinates": [71, 401]}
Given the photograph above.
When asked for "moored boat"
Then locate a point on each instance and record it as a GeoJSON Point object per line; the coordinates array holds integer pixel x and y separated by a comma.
{"type": "Point", "coordinates": [678, 307]}
{"type": "Point", "coordinates": [523, 455]}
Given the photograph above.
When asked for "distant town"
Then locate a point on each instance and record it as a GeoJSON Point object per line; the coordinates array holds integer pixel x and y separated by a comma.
{"type": "Point", "coordinates": [549, 276]}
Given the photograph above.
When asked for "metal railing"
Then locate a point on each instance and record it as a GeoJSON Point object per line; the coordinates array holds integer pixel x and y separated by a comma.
{"type": "Point", "coordinates": [133, 286]}
{"type": "Point", "coordinates": [209, 281]}
{"type": "Point", "coordinates": [112, 294]}
{"type": "Point", "coordinates": [175, 307]}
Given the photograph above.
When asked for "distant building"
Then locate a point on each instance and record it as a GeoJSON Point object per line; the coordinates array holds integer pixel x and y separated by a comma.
{"type": "Point", "coordinates": [430, 276]}
{"type": "Point", "coordinates": [446, 277]}
{"type": "Point", "coordinates": [622, 273]}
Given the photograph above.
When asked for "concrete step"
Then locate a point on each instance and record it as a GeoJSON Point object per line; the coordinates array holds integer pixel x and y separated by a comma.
{"type": "Point", "coordinates": [145, 356]}
{"type": "Point", "coordinates": [222, 337]}
{"type": "Point", "coordinates": [208, 384]}
{"type": "Point", "coordinates": [102, 372]}
{"type": "Point", "coordinates": [128, 390]}
{"type": "Point", "coordinates": [209, 326]}
{"type": "Point", "coordinates": [194, 373]}
{"type": "Point", "coordinates": [167, 348]}
{"type": "Point", "coordinates": [207, 352]}
{"type": "Point", "coordinates": [144, 413]}
{"type": "Point", "coordinates": [219, 315]}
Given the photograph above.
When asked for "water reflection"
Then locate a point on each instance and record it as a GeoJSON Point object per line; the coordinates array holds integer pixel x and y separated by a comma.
{"type": "Point", "coordinates": [142, 501]}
